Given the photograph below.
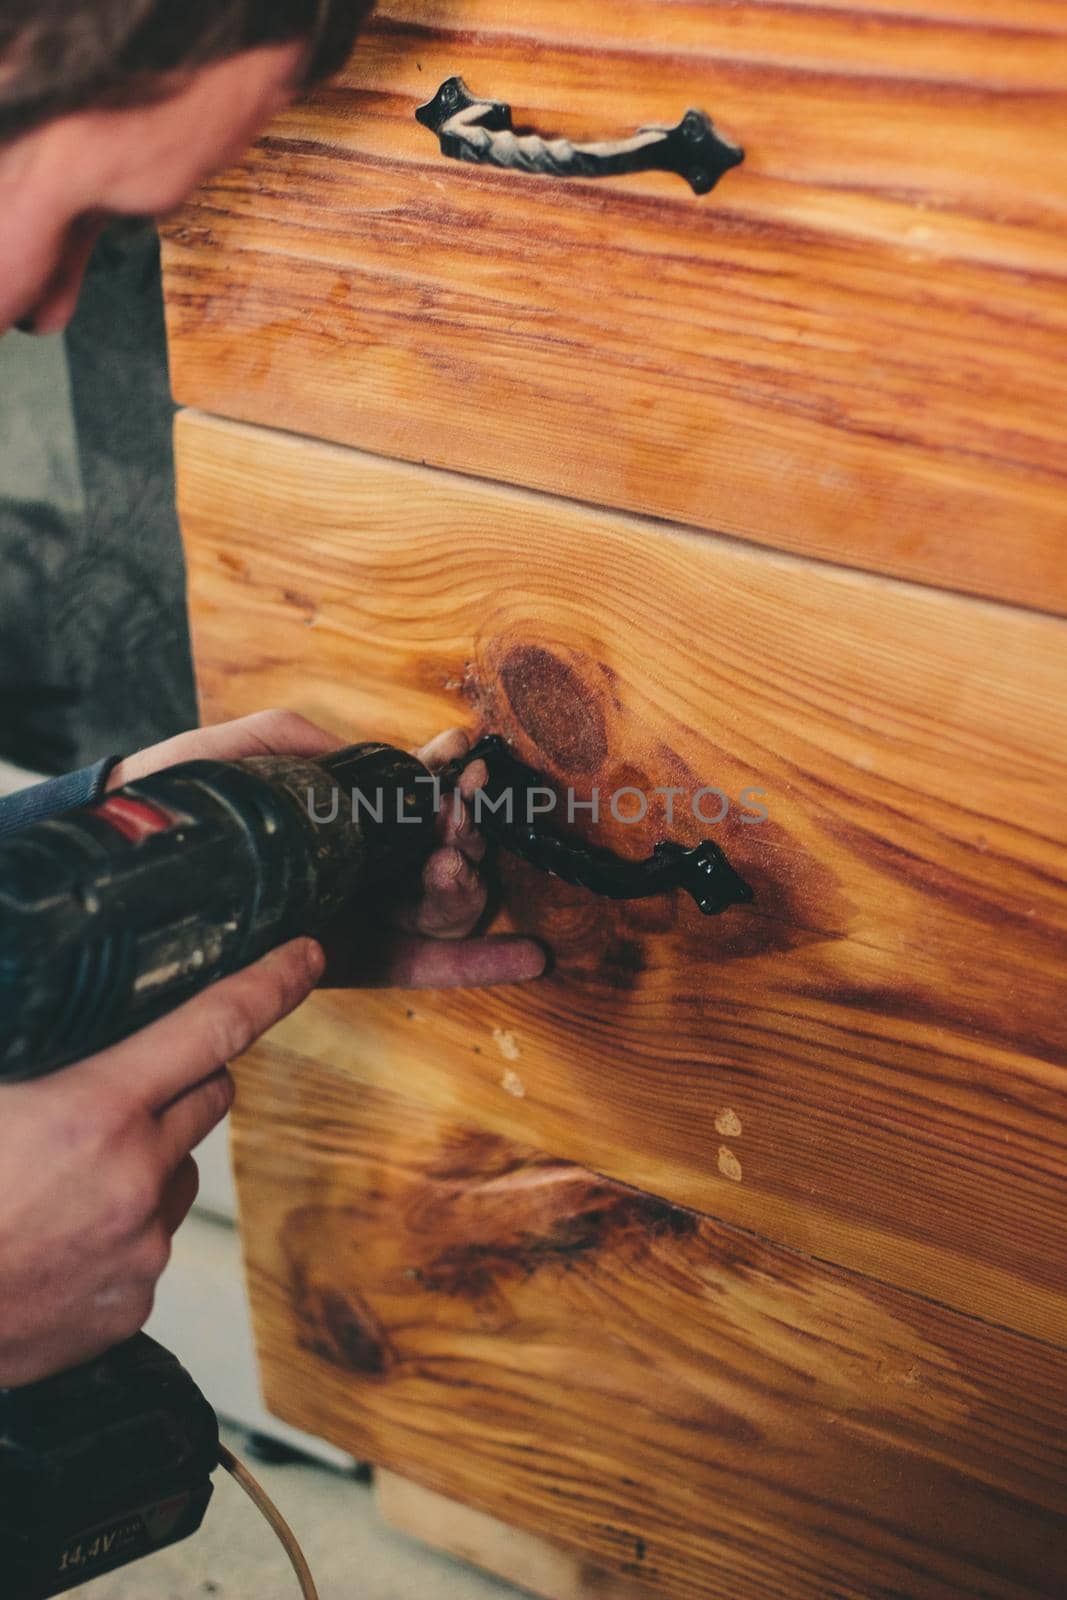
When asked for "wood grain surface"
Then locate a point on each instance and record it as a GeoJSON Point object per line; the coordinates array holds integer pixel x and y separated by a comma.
{"type": "Point", "coordinates": [681, 1402]}
{"type": "Point", "coordinates": [855, 348]}
{"type": "Point", "coordinates": [868, 1064]}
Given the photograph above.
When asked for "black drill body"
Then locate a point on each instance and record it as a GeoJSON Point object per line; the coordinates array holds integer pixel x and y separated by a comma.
{"type": "Point", "coordinates": [110, 917]}
{"type": "Point", "coordinates": [113, 915]}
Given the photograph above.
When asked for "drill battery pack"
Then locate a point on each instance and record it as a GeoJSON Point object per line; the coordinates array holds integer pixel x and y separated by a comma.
{"type": "Point", "coordinates": [101, 1466]}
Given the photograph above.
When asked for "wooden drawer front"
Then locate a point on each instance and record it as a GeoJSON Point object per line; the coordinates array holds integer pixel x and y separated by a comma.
{"type": "Point", "coordinates": [683, 1403]}
{"type": "Point", "coordinates": [869, 1064]}
{"type": "Point", "coordinates": [854, 348]}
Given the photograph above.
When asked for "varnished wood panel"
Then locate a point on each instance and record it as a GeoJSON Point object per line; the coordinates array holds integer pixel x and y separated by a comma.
{"type": "Point", "coordinates": [855, 348]}
{"type": "Point", "coordinates": [868, 1064]}
{"type": "Point", "coordinates": [679, 1401]}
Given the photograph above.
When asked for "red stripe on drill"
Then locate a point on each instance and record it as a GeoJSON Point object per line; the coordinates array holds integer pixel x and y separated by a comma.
{"type": "Point", "coordinates": [134, 819]}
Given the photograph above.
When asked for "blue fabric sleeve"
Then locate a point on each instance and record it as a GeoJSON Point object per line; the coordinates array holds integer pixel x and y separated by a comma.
{"type": "Point", "coordinates": [54, 796]}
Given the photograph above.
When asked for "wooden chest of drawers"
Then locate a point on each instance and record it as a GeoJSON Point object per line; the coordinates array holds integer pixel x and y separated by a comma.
{"type": "Point", "coordinates": [731, 1256]}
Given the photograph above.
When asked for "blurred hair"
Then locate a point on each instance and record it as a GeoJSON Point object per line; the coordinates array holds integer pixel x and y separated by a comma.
{"type": "Point", "coordinates": [62, 56]}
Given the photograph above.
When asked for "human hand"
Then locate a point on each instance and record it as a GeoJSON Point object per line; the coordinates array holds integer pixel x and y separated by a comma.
{"type": "Point", "coordinates": [267, 733]}
{"type": "Point", "coordinates": [426, 944]}
{"type": "Point", "coordinates": [97, 1169]}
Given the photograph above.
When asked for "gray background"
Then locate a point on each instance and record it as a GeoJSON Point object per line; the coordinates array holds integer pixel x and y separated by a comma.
{"type": "Point", "coordinates": [94, 652]}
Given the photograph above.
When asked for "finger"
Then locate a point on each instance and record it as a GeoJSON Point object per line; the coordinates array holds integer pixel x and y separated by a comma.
{"type": "Point", "coordinates": [187, 1121]}
{"type": "Point", "coordinates": [266, 733]}
{"type": "Point", "coordinates": [459, 831]}
{"type": "Point", "coordinates": [181, 1193]}
{"type": "Point", "coordinates": [473, 778]}
{"type": "Point", "coordinates": [154, 1067]}
{"type": "Point", "coordinates": [444, 748]}
{"type": "Point", "coordinates": [452, 901]}
{"type": "Point", "coordinates": [473, 963]}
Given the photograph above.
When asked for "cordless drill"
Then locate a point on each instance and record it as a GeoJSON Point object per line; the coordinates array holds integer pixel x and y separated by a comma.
{"type": "Point", "coordinates": [110, 917]}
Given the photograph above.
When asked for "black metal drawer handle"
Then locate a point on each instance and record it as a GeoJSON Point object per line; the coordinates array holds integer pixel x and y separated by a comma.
{"type": "Point", "coordinates": [702, 871]}
{"type": "Point", "coordinates": [481, 131]}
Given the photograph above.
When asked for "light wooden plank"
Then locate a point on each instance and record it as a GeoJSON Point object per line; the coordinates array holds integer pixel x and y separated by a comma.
{"type": "Point", "coordinates": [869, 1064]}
{"type": "Point", "coordinates": [855, 348]}
{"type": "Point", "coordinates": [673, 1399]}
{"type": "Point", "coordinates": [524, 1559]}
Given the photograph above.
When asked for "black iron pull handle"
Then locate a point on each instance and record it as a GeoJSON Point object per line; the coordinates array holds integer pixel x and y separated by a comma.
{"type": "Point", "coordinates": [509, 820]}
{"type": "Point", "coordinates": [481, 131]}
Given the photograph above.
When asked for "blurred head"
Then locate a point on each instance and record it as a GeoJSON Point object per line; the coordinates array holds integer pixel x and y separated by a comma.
{"type": "Point", "coordinates": [119, 108]}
